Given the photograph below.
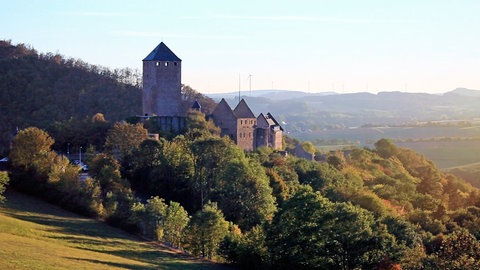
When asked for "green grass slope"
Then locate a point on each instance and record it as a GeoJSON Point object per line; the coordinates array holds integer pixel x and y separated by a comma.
{"type": "Point", "coordinates": [37, 235]}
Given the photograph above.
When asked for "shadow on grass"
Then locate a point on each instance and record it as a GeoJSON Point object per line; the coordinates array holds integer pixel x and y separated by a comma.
{"type": "Point", "coordinates": [33, 210]}
{"type": "Point", "coordinates": [87, 234]}
{"type": "Point", "coordinates": [114, 264]}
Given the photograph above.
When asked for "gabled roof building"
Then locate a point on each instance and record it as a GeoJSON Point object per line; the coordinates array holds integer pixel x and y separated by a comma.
{"type": "Point", "coordinates": [246, 130]}
{"type": "Point", "coordinates": [269, 133]}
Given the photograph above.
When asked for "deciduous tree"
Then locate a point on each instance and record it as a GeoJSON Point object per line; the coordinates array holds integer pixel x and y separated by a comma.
{"type": "Point", "coordinates": [30, 146]}
{"type": "Point", "coordinates": [205, 231]}
{"type": "Point", "coordinates": [123, 138]}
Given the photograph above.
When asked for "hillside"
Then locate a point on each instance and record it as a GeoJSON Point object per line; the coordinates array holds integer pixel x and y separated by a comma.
{"type": "Point", "coordinates": [40, 89]}
{"type": "Point", "coordinates": [37, 235]}
{"type": "Point", "coordinates": [47, 90]}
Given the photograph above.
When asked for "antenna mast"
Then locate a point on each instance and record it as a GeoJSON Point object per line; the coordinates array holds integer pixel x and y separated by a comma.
{"type": "Point", "coordinates": [239, 88]}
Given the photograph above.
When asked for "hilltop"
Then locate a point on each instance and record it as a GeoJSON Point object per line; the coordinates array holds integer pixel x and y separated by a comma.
{"type": "Point", "coordinates": [37, 235]}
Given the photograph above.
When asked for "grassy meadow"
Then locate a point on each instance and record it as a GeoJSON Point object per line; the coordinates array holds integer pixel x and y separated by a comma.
{"type": "Point", "coordinates": [37, 235]}
{"type": "Point", "coordinates": [447, 154]}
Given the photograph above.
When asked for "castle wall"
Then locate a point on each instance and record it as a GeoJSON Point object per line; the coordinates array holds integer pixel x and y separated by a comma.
{"type": "Point", "coordinates": [246, 133]}
{"type": "Point", "coordinates": [161, 88]}
{"type": "Point", "coordinates": [261, 137]}
{"type": "Point", "coordinates": [277, 139]}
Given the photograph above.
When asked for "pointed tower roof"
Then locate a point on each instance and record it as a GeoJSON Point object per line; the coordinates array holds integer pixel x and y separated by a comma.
{"type": "Point", "coordinates": [162, 53]}
{"type": "Point", "coordinates": [243, 111]}
{"type": "Point", "coordinates": [222, 107]}
{"type": "Point", "coordinates": [196, 105]}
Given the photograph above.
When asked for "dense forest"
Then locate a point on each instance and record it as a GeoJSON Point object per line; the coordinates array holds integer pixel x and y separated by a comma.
{"type": "Point", "coordinates": [381, 208]}
{"type": "Point", "coordinates": [45, 90]}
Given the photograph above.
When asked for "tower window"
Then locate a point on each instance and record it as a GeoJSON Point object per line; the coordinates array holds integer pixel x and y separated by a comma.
{"type": "Point", "coordinates": [166, 64]}
{"type": "Point", "coordinates": [157, 64]}
{"type": "Point", "coordinates": [175, 63]}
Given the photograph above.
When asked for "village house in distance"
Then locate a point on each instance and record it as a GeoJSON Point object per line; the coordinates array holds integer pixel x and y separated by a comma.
{"type": "Point", "coordinates": [162, 102]}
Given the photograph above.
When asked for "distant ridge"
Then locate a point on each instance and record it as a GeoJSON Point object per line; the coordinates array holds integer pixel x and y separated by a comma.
{"type": "Point", "coordinates": [464, 92]}
{"type": "Point", "coordinates": [274, 94]}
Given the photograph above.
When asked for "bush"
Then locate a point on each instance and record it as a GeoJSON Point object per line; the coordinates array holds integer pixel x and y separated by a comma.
{"type": "Point", "coordinates": [3, 184]}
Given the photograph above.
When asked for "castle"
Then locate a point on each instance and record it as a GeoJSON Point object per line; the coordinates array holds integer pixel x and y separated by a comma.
{"type": "Point", "coordinates": [162, 102]}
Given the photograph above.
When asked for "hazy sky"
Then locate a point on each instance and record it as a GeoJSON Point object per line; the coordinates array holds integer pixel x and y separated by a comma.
{"type": "Point", "coordinates": [315, 46]}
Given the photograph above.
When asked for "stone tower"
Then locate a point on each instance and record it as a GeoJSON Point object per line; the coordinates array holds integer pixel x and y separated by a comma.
{"type": "Point", "coordinates": [162, 71]}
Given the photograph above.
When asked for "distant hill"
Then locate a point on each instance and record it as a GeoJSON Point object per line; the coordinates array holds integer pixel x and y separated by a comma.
{"type": "Point", "coordinates": [464, 92]}
{"type": "Point", "coordinates": [319, 111]}
{"type": "Point", "coordinates": [273, 94]}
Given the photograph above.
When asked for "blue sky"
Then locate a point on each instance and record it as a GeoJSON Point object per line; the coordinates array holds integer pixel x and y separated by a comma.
{"type": "Point", "coordinates": [314, 46]}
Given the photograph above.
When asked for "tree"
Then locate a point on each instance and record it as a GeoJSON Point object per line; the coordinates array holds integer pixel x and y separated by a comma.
{"type": "Point", "coordinates": [248, 250]}
{"type": "Point", "coordinates": [123, 138]}
{"type": "Point", "coordinates": [148, 157]}
{"type": "Point", "coordinates": [205, 231]}
{"type": "Point", "coordinates": [30, 146]}
{"type": "Point", "coordinates": [189, 95]}
{"type": "Point", "coordinates": [312, 232]}
{"type": "Point", "coordinates": [386, 148]}
{"type": "Point", "coordinates": [176, 219]}
{"type": "Point", "coordinates": [458, 251]}
{"type": "Point", "coordinates": [3, 185]}
{"type": "Point", "coordinates": [155, 212]}
{"type": "Point", "coordinates": [243, 193]}
{"type": "Point", "coordinates": [197, 124]}
{"type": "Point", "coordinates": [106, 170]}
{"type": "Point", "coordinates": [308, 147]}
{"type": "Point", "coordinates": [209, 156]}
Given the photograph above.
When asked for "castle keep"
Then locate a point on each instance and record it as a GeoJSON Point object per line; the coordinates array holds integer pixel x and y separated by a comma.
{"type": "Point", "coordinates": [162, 99]}
{"type": "Point", "coordinates": [162, 103]}
{"type": "Point", "coordinates": [162, 74]}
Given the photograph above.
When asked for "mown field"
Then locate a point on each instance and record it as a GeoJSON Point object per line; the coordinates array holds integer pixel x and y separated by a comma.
{"type": "Point", "coordinates": [446, 146]}
{"type": "Point", "coordinates": [37, 235]}
{"type": "Point", "coordinates": [447, 154]}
